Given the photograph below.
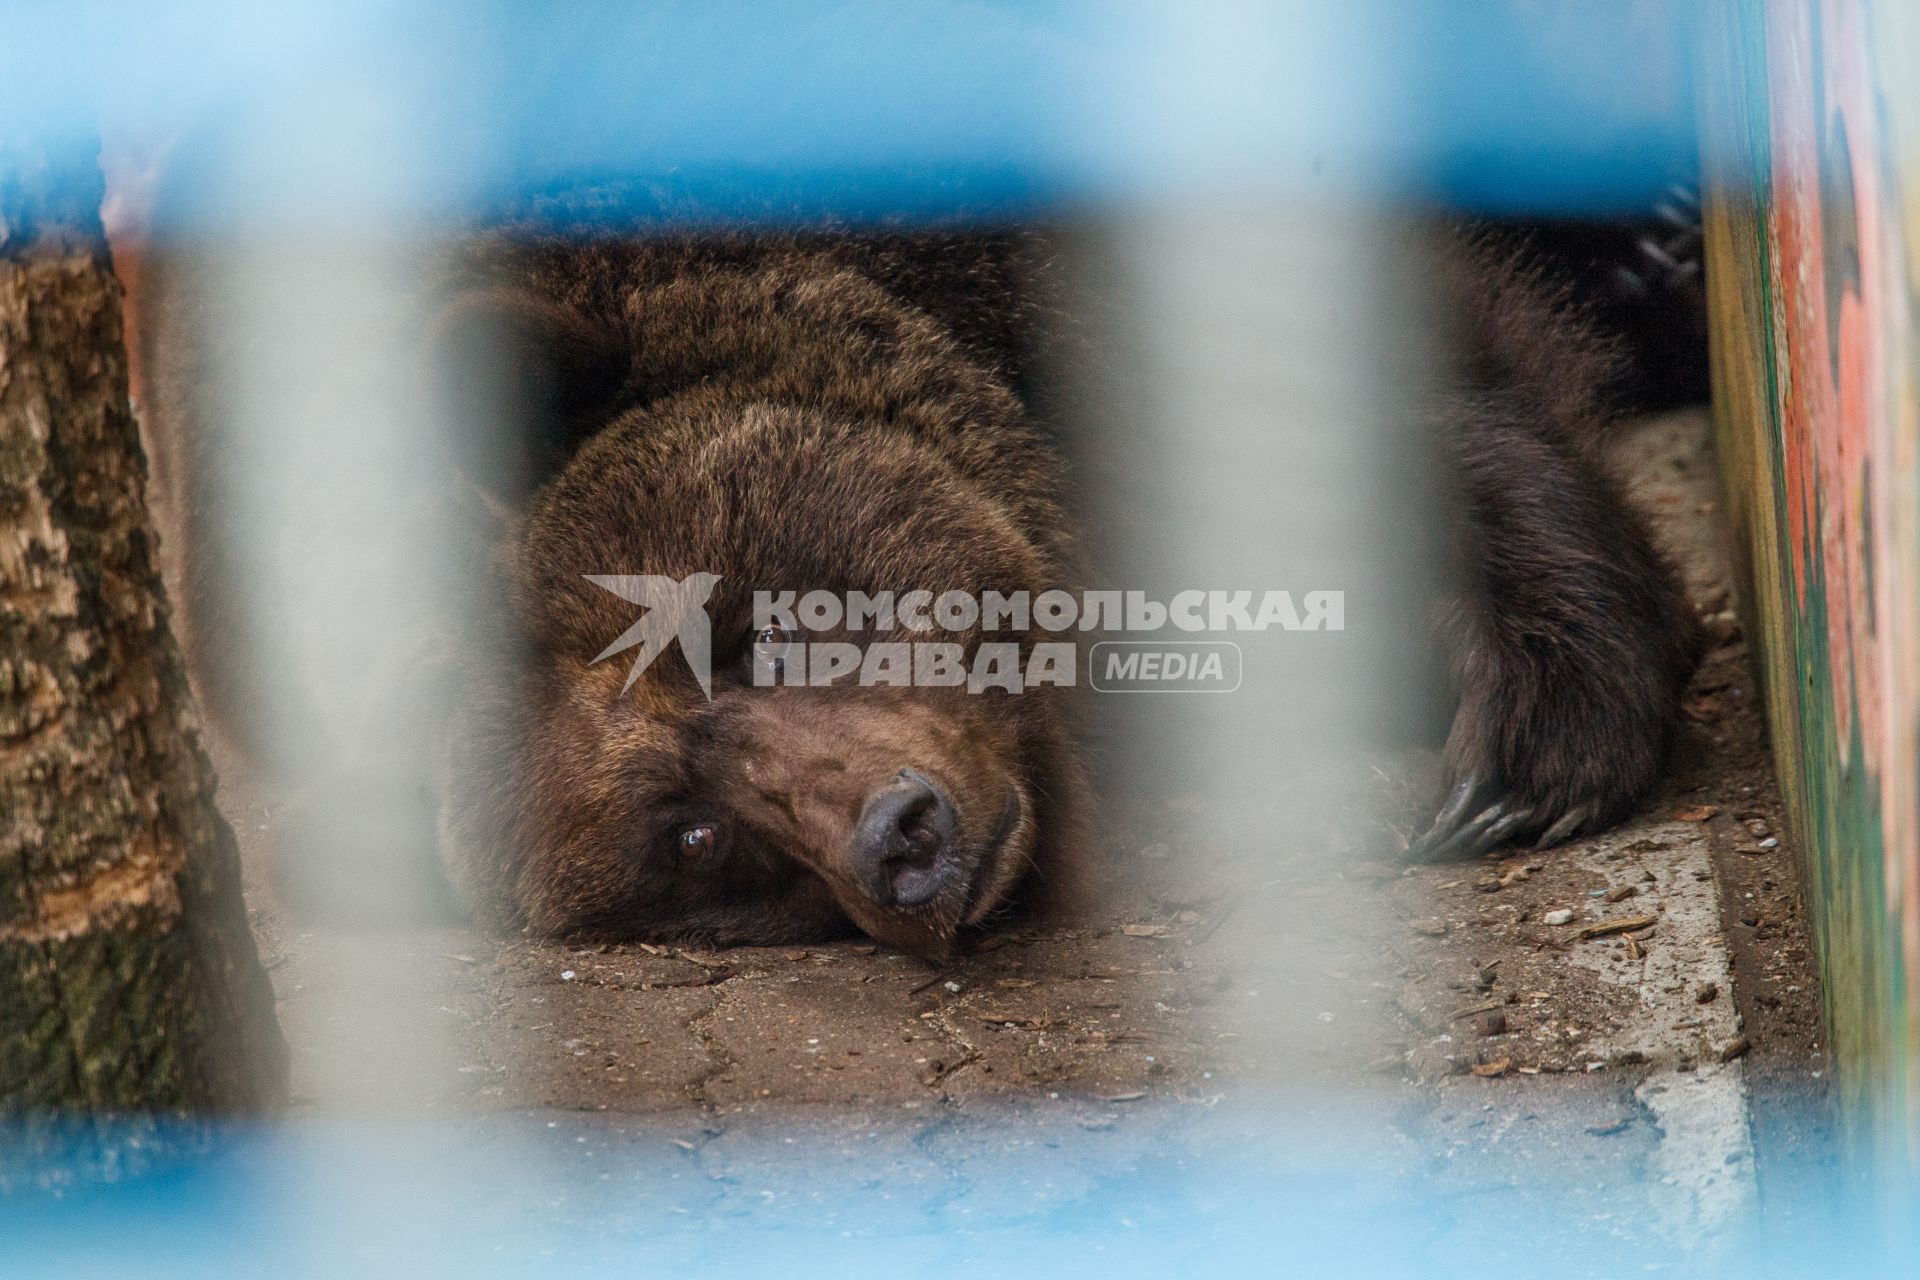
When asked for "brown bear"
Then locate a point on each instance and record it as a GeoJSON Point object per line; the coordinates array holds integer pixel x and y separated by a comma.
{"type": "Point", "coordinates": [774, 414]}
{"type": "Point", "coordinates": [734, 414]}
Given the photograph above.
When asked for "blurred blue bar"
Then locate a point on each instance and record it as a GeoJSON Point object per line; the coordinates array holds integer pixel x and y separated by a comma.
{"type": "Point", "coordinates": [861, 109]}
{"type": "Point", "coordinates": [591, 1195]}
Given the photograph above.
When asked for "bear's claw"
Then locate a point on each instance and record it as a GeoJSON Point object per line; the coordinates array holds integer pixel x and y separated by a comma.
{"type": "Point", "coordinates": [1454, 838]}
{"type": "Point", "coordinates": [1563, 829]}
{"type": "Point", "coordinates": [1450, 840]}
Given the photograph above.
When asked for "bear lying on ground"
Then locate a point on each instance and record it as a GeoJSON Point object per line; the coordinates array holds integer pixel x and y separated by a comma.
{"type": "Point", "coordinates": [801, 412]}
{"type": "Point", "coordinates": [772, 413]}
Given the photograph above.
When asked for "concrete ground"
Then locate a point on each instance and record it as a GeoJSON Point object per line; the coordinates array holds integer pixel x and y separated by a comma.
{"type": "Point", "coordinates": [1648, 1074]}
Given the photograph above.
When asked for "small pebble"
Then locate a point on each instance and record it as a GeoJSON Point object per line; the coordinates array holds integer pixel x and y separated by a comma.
{"type": "Point", "coordinates": [1771, 842]}
{"type": "Point", "coordinates": [566, 975]}
{"type": "Point", "coordinates": [1621, 892]}
{"type": "Point", "coordinates": [1491, 1024]}
{"type": "Point", "coordinates": [1706, 993]}
{"type": "Point", "coordinates": [1562, 916]}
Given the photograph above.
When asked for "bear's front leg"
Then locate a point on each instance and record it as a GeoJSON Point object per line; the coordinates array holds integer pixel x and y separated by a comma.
{"type": "Point", "coordinates": [1571, 646]}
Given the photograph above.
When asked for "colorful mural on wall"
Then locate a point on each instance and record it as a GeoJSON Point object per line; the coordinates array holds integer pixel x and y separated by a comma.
{"type": "Point", "coordinates": [1811, 241]}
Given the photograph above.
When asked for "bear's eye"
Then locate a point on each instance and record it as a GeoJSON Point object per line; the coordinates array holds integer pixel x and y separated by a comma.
{"type": "Point", "coordinates": [771, 645]}
{"type": "Point", "coordinates": [699, 841]}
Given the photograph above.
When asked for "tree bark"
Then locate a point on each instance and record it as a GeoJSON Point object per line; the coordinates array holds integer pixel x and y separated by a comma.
{"type": "Point", "coordinates": [133, 1007]}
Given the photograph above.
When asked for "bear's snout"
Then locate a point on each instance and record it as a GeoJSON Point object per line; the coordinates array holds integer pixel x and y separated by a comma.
{"type": "Point", "coordinates": [903, 851]}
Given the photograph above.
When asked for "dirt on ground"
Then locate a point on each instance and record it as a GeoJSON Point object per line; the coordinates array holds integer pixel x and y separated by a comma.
{"type": "Point", "coordinates": [1499, 1026]}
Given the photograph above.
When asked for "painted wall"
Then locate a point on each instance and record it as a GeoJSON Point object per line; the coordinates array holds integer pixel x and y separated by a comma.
{"type": "Point", "coordinates": [1813, 222]}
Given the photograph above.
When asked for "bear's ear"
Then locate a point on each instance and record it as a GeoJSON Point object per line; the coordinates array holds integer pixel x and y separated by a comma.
{"type": "Point", "coordinates": [523, 381]}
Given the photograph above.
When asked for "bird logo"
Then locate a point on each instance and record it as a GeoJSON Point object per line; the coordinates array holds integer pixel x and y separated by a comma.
{"type": "Point", "coordinates": [674, 609]}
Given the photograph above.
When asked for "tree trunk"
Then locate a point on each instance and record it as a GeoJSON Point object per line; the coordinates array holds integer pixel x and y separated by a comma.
{"type": "Point", "coordinates": [133, 1007]}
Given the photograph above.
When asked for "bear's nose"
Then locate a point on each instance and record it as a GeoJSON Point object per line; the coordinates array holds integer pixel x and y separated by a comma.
{"type": "Point", "coordinates": [902, 851]}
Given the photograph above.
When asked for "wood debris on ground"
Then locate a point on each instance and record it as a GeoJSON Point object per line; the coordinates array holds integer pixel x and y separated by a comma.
{"type": "Point", "coordinates": [1628, 925]}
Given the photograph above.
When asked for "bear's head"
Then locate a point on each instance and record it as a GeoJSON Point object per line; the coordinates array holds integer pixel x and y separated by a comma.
{"type": "Point", "coordinates": [641, 750]}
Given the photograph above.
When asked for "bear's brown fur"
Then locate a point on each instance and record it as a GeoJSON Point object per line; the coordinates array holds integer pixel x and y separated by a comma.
{"type": "Point", "coordinates": [1572, 640]}
{"type": "Point", "coordinates": [773, 411]}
